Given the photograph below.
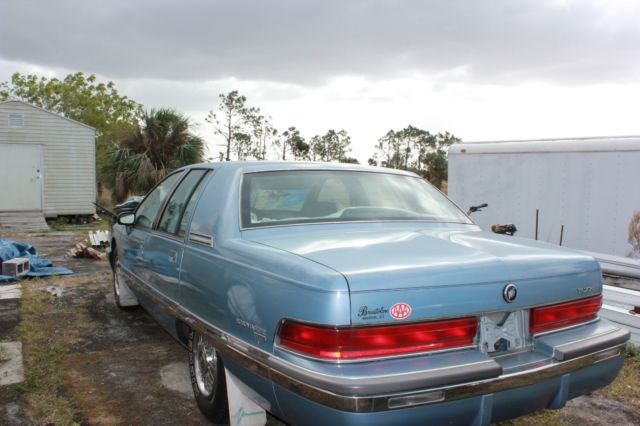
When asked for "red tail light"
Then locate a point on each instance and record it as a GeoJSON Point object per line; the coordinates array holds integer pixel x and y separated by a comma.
{"type": "Point", "coordinates": [564, 314]}
{"type": "Point", "coordinates": [349, 343]}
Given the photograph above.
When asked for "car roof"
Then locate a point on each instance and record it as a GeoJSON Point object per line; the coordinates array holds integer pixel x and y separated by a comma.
{"type": "Point", "coordinates": [264, 166]}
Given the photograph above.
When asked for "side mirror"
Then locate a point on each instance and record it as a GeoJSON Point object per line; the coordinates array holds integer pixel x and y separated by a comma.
{"type": "Point", "coordinates": [126, 218]}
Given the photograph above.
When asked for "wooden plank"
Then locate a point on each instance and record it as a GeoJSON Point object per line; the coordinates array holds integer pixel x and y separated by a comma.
{"type": "Point", "coordinates": [625, 318]}
{"type": "Point", "coordinates": [10, 291]}
{"type": "Point", "coordinates": [22, 221]}
{"type": "Point", "coordinates": [621, 297]}
{"type": "Point", "coordinates": [12, 371]}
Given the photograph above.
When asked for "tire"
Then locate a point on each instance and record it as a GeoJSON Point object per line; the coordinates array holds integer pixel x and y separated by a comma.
{"type": "Point", "coordinates": [208, 379]}
{"type": "Point", "coordinates": [116, 280]}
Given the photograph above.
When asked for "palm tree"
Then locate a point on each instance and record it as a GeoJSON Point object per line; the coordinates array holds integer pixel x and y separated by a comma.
{"type": "Point", "coordinates": [160, 143]}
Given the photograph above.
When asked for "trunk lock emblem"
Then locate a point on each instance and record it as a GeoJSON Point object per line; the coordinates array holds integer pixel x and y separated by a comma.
{"type": "Point", "coordinates": [510, 292]}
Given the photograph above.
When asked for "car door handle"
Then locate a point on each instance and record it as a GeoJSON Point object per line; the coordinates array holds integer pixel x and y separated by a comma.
{"type": "Point", "coordinates": [173, 256]}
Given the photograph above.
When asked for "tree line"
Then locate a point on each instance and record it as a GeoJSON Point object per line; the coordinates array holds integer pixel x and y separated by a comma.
{"type": "Point", "coordinates": [417, 150]}
{"type": "Point", "coordinates": [136, 148]}
{"type": "Point", "coordinates": [250, 135]}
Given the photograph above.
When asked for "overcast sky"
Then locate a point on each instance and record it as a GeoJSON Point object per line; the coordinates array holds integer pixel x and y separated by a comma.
{"type": "Point", "coordinates": [483, 70]}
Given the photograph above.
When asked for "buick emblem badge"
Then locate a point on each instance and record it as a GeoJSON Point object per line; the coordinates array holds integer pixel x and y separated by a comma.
{"type": "Point", "coordinates": [510, 292]}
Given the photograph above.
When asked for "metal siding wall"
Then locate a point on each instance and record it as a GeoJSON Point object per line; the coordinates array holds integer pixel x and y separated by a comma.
{"type": "Point", "coordinates": [69, 171]}
{"type": "Point", "coordinates": [593, 194]}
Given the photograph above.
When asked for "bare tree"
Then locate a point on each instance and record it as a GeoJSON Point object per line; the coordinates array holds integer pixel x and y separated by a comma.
{"type": "Point", "coordinates": [415, 149]}
{"type": "Point", "coordinates": [293, 143]}
{"type": "Point", "coordinates": [232, 121]}
{"type": "Point", "coordinates": [264, 136]}
{"type": "Point", "coordinates": [634, 235]}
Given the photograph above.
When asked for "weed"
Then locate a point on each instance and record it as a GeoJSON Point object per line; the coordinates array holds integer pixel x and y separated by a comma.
{"type": "Point", "coordinates": [633, 353]}
{"type": "Point", "coordinates": [634, 235]}
{"type": "Point", "coordinates": [4, 353]}
{"type": "Point", "coordinates": [158, 388]}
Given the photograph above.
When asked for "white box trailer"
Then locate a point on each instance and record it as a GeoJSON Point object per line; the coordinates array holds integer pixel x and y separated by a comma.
{"type": "Point", "coordinates": [591, 186]}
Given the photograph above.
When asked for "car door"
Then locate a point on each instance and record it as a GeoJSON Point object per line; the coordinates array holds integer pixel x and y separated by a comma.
{"type": "Point", "coordinates": [133, 246]}
{"type": "Point", "coordinates": [164, 245]}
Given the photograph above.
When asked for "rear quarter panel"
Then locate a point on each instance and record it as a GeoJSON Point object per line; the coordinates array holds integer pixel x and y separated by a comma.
{"type": "Point", "coordinates": [246, 288]}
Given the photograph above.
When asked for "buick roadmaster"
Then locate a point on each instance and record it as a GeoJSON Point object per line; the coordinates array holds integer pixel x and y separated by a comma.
{"type": "Point", "coordinates": [339, 294]}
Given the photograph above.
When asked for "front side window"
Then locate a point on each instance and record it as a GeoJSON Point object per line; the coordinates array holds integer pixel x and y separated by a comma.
{"type": "Point", "coordinates": [176, 206]}
{"type": "Point", "coordinates": [306, 196]}
{"type": "Point", "coordinates": [148, 209]}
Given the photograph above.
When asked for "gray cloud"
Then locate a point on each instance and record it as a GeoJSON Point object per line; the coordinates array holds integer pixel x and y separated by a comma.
{"type": "Point", "coordinates": [308, 42]}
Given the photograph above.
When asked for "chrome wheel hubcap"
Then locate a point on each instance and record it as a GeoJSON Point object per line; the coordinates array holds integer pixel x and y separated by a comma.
{"type": "Point", "coordinates": [205, 365]}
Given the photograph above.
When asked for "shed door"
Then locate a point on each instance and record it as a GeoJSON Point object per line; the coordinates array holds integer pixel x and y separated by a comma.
{"type": "Point", "coordinates": [20, 177]}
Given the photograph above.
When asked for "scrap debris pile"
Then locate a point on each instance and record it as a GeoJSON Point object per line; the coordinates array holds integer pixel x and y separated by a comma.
{"type": "Point", "coordinates": [98, 239]}
{"type": "Point", "coordinates": [82, 251]}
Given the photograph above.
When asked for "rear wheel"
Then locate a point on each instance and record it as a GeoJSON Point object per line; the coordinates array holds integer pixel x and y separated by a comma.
{"type": "Point", "coordinates": [207, 378]}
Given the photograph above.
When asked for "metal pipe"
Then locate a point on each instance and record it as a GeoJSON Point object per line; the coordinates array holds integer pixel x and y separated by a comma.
{"type": "Point", "coordinates": [561, 233]}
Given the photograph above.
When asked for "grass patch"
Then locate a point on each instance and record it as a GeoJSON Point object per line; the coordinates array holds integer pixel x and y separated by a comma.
{"type": "Point", "coordinates": [35, 301]}
{"type": "Point", "coordinates": [44, 353]}
{"type": "Point", "coordinates": [62, 224]}
{"type": "Point", "coordinates": [626, 387]}
{"type": "Point", "coordinates": [633, 353]}
{"type": "Point", "coordinates": [544, 417]}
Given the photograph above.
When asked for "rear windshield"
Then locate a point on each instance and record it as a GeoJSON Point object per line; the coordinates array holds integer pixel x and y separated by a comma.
{"type": "Point", "coordinates": [309, 196]}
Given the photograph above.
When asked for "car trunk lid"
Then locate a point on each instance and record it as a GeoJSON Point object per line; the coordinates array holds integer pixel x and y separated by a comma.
{"type": "Point", "coordinates": [408, 272]}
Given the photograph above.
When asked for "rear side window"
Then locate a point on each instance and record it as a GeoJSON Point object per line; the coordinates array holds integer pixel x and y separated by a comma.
{"type": "Point", "coordinates": [147, 211]}
{"type": "Point", "coordinates": [176, 208]}
{"type": "Point", "coordinates": [188, 211]}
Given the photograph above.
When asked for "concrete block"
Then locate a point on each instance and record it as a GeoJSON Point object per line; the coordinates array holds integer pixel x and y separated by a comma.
{"type": "Point", "coordinates": [16, 266]}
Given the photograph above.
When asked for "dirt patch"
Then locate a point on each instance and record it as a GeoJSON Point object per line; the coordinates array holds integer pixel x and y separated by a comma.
{"type": "Point", "coordinates": [9, 319]}
{"type": "Point", "coordinates": [87, 361]}
{"type": "Point", "coordinates": [124, 386]}
{"type": "Point", "coordinates": [598, 410]}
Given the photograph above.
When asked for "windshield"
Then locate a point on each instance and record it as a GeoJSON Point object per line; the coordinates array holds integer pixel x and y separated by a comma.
{"type": "Point", "coordinates": [309, 196]}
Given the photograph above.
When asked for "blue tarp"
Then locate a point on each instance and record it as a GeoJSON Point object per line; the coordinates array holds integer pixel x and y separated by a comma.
{"type": "Point", "coordinates": [39, 267]}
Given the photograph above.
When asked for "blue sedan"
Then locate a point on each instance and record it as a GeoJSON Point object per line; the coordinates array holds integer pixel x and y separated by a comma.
{"type": "Point", "coordinates": [340, 294]}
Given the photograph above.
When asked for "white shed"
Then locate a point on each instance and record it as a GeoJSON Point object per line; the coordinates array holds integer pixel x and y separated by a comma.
{"type": "Point", "coordinates": [588, 187]}
{"type": "Point", "coordinates": [47, 162]}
